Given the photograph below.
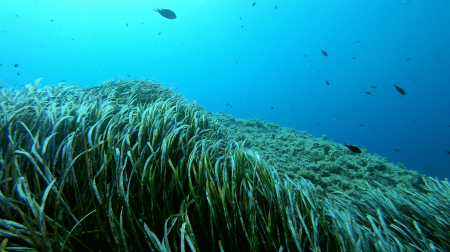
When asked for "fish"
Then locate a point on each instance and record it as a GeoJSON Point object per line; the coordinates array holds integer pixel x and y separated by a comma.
{"type": "Point", "coordinates": [400, 90]}
{"type": "Point", "coordinates": [361, 125]}
{"type": "Point", "coordinates": [408, 59]}
{"type": "Point", "coordinates": [447, 151]}
{"type": "Point", "coordinates": [353, 148]}
{"type": "Point", "coordinates": [240, 18]}
{"type": "Point", "coordinates": [368, 92]}
{"type": "Point", "coordinates": [276, 7]}
{"type": "Point", "coordinates": [353, 58]}
{"type": "Point", "coordinates": [126, 24]}
{"type": "Point", "coordinates": [235, 60]}
{"type": "Point", "coordinates": [306, 55]}
{"type": "Point", "coordinates": [166, 13]}
{"type": "Point", "coordinates": [396, 150]}
{"type": "Point", "coordinates": [159, 33]}
{"type": "Point", "coordinates": [16, 65]}
{"type": "Point", "coordinates": [357, 41]}
{"type": "Point", "coordinates": [18, 73]}
{"type": "Point", "coordinates": [271, 107]}
{"type": "Point", "coordinates": [129, 75]}
{"type": "Point", "coordinates": [63, 81]}
{"type": "Point", "coordinates": [254, 3]}
{"type": "Point", "coordinates": [324, 53]}
{"type": "Point", "coordinates": [51, 20]}
{"type": "Point", "coordinates": [328, 83]}
{"type": "Point", "coordinates": [373, 87]}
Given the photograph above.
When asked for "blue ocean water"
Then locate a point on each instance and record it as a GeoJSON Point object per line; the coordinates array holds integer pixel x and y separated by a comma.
{"type": "Point", "coordinates": [266, 62]}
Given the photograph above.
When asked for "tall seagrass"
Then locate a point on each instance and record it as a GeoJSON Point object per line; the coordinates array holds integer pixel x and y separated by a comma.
{"type": "Point", "coordinates": [131, 165]}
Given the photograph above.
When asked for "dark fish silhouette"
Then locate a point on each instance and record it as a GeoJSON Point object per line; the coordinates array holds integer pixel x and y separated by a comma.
{"type": "Point", "coordinates": [328, 83]}
{"type": "Point", "coordinates": [447, 151]}
{"type": "Point", "coordinates": [396, 150]}
{"type": "Point", "coordinates": [324, 53]}
{"type": "Point", "coordinates": [271, 107]}
{"type": "Point", "coordinates": [159, 33]}
{"type": "Point", "coordinates": [353, 58]}
{"type": "Point", "coordinates": [306, 55]}
{"type": "Point", "coordinates": [128, 75]}
{"type": "Point", "coordinates": [408, 59]}
{"type": "Point", "coordinates": [352, 148]}
{"type": "Point", "coordinates": [373, 86]}
{"type": "Point", "coordinates": [254, 3]}
{"type": "Point", "coordinates": [368, 92]}
{"type": "Point", "coordinates": [126, 24]}
{"type": "Point", "coordinates": [16, 65]}
{"type": "Point", "coordinates": [18, 73]}
{"type": "Point", "coordinates": [361, 125]}
{"type": "Point", "coordinates": [400, 90]}
{"type": "Point", "coordinates": [166, 13]}
{"type": "Point", "coordinates": [276, 7]}
{"type": "Point", "coordinates": [357, 41]}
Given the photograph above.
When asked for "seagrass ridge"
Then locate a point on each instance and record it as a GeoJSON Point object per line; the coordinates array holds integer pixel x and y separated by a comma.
{"type": "Point", "coordinates": [131, 165]}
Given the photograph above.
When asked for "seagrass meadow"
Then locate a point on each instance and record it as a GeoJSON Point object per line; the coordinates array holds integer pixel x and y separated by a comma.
{"type": "Point", "coordinates": [131, 165]}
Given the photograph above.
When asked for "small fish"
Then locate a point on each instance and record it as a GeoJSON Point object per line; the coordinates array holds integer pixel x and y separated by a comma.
{"type": "Point", "coordinates": [276, 7]}
{"type": "Point", "coordinates": [16, 65]}
{"type": "Point", "coordinates": [17, 16]}
{"type": "Point", "coordinates": [324, 53]}
{"type": "Point", "coordinates": [1, 65]}
{"type": "Point", "coordinates": [373, 87]}
{"type": "Point", "coordinates": [240, 18]}
{"type": "Point", "coordinates": [361, 125]}
{"type": "Point", "coordinates": [254, 3]}
{"type": "Point", "coordinates": [352, 148]}
{"type": "Point", "coordinates": [353, 58]}
{"type": "Point", "coordinates": [408, 59]}
{"type": "Point", "coordinates": [306, 55]}
{"type": "Point", "coordinates": [18, 73]}
{"type": "Point", "coordinates": [242, 26]}
{"type": "Point", "coordinates": [357, 41]}
{"type": "Point", "coordinates": [447, 151]}
{"type": "Point", "coordinates": [51, 20]}
{"type": "Point", "coordinates": [166, 13]}
{"type": "Point", "coordinates": [159, 33]}
{"type": "Point", "coordinates": [328, 83]}
{"type": "Point", "coordinates": [128, 75]}
{"type": "Point", "coordinates": [235, 60]}
{"type": "Point", "coordinates": [63, 81]}
{"type": "Point", "coordinates": [396, 150]}
{"type": "Point", "coordinates": [126, 24]}
{"type": "Point", "coordinates": [271, 107]}
{"type": "Point", "coordinates": [400, 90]}
{"type": "Point", "coordinates": [368, 92]}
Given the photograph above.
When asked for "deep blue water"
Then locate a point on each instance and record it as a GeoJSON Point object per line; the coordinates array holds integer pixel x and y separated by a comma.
{"type": "Point", "coordinates": [88, 42]}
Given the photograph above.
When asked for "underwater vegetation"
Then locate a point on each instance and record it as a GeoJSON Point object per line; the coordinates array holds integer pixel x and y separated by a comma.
{"type": "Point", "coordinates": [131, 165]}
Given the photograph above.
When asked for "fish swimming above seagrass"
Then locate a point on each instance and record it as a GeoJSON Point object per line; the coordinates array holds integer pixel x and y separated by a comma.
{"type": "Point", "coordinates": [352, 148]}
{"type": "Point", "coordinates": [166, 13]}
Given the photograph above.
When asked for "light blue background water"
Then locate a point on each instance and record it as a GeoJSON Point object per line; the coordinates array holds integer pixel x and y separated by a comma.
{"type": "Point", "coordinates": [88, 42]}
